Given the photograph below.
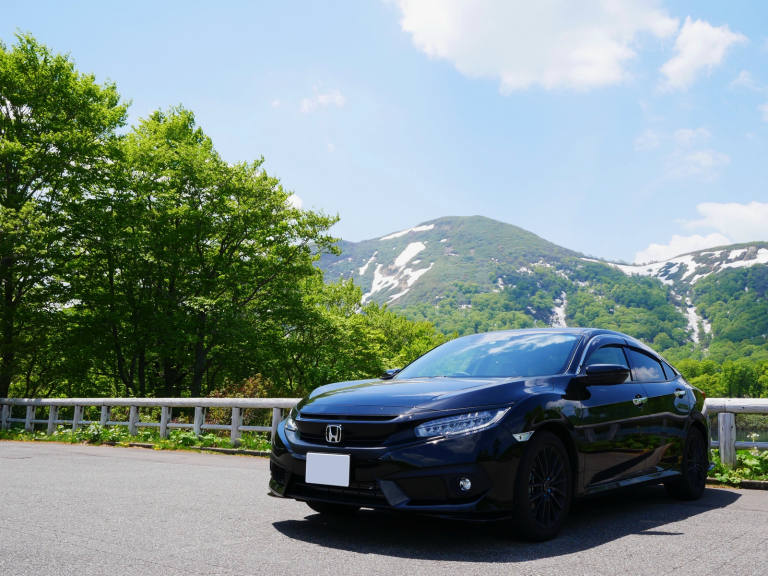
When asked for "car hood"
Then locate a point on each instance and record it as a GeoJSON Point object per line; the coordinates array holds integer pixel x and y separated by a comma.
{"type": "Point", "coordinates": [397, 397]}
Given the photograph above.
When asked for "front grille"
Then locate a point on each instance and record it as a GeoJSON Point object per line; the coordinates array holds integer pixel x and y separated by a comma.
{"type": "Point", "coordinates": [359, 493]}
{"type": "Point", "coordinates": [362, 431]}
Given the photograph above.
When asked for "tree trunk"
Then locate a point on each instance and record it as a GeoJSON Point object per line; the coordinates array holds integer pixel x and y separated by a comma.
{"type": "Point", "coordinates": [200, 358]}
{"type": "Point", "coordinates": [7, 327]}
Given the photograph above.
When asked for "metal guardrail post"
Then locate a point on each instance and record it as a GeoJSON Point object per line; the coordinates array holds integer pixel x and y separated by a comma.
{"type": "Point", "coordinates": [237, 421]}
{"type": "Point", "coordinates": [133, 420]}
{"type": "Point", "coordinates": [199, 420]}
{"type": "Point", "coordinates": [726, 424]}
{"type": "Point", "coordinates": [165, 417]}
{"type": "Point", "coordinates": [29, 425]}
{"type": "Point", "coordinates": [104, 417]}
{"type": "Point", "coordinates": [53, 415]}
{"type": "Point", "coordinates": [77, 417]}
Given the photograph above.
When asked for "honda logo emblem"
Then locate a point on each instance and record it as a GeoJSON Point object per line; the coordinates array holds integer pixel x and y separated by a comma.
{"type": "Point", "coordinates": [333, 433]}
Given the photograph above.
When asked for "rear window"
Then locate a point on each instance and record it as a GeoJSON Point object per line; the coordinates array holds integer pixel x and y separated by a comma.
{"type": "Point", "coordinates": [644, 367]}
{"type": "Point", "coordinates": [496, 355]}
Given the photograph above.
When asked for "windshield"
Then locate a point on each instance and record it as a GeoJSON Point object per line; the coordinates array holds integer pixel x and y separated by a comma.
{"type": "Point", "coordinates": [496, 355]}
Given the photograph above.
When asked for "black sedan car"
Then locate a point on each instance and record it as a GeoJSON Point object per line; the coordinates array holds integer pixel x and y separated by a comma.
{"type": "Point", "coordinates": [511, 424]}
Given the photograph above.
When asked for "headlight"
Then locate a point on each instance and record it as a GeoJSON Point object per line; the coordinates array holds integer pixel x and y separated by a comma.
{"type": "Point", "coordinates": [460, 424]}
{"type": "Point", "coordinates": [290, 423]}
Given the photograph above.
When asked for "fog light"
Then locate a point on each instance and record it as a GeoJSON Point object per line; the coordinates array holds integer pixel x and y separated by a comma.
{"type": "Point", "coordinates": [465, 484]}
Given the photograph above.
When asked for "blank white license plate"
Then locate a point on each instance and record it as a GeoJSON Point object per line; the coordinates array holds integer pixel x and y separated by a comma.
{"type": "Point", "coordinates": [328, 469]}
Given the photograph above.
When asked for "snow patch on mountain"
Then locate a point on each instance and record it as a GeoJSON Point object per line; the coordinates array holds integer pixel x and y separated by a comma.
{"type": "Point", "coordinates": [424, 228]}
{"type": "Point", "coordinates": [558, 312]}
{"type": "Point", "coordinates": [696, 266]}
{"type": "Point", "coordinates": [364, 268]}
{"type": "Point", "coordinates": [409, 253]}
{"type": "Point", "coordinates": [398, 276]}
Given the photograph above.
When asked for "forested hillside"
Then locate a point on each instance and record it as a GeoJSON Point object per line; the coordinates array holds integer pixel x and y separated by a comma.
{"type": "Point", "coordinates": [705, 310]}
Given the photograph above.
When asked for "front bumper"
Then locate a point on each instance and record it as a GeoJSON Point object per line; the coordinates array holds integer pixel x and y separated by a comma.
{"type": "Point", "coordinates": [421, 476]}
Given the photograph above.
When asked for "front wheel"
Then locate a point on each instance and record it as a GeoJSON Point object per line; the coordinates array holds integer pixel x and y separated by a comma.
{"type": "Point", "coordinates": [544, 488]}
{"type": "Point", "coordinates": [691, 483]}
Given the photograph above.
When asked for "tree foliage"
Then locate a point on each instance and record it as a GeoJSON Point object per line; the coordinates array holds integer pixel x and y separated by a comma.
{"type": "Point", "coordinates": [57, 130]}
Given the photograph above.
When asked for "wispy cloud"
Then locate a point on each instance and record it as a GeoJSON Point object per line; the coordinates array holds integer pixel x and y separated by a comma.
{"type": "Point", "coordinates": [763, 108]}
{"type": "Point", "coordinates": [700, 47]}
{"type": "Point", "coordinates": [687, 152]}
{"type": "Point", "coordinates": [322, 100]}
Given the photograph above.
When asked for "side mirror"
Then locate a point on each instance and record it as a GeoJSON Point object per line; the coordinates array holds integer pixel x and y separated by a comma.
{"type": "Point", "coordinates": [606, 374]}
{"type": "Point", "coordinates": [389, 374]}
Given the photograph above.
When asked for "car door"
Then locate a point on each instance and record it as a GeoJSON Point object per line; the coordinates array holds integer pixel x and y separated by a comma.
{"type": "Point", "coordinates": [612, 422]}
{"type": "Point", "coordinates": [667, 407]}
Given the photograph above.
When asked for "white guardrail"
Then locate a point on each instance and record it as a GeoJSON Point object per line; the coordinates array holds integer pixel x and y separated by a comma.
{"type": "Point", "coordinates": [235, 405]}
{"type": "Point", "coordinates": [725, 408]}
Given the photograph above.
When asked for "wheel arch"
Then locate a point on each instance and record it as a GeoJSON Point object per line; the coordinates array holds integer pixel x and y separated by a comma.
{"type": "Point", "coordinates": [561, 430]}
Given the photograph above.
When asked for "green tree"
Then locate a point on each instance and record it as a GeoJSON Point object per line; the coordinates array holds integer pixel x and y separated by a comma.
{"type": "Point", "coordinates": [187, 264]}
{"type": "Point", "coordinates": [57, 130]}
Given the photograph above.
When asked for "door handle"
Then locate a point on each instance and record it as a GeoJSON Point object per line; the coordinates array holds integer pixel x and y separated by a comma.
{"type": "Point", "coordinates": [639, 400]}
{"type": "Point", "coordinates": [680, 393]}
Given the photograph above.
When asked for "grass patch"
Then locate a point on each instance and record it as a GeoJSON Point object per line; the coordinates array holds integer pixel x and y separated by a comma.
{"type": "Point", "coordinates": [177, 440]}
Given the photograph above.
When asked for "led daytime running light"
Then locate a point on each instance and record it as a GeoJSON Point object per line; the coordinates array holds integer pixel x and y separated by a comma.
{"type": "Point", "coordinates": [460, 424]}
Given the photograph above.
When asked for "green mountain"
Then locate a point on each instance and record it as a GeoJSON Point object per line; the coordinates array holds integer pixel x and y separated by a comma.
{"type": "Point", "coordinates": [470, 274]}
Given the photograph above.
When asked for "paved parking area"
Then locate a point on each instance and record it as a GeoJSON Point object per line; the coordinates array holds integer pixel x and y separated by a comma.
{"type": "Point", "coordinates": [99, 510]}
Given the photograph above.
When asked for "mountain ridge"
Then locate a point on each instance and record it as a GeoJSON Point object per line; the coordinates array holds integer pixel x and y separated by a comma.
{"type": "Point", "coordinates": [474, 273]}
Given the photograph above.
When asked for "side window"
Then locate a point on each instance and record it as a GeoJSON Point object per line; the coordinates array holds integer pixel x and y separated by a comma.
{"type": "Point", "coordinates": [607, 355]}
{"type": "Point", "coordinates": [669, 371]}
{"type": "Point", "coordinates": [644, 367]}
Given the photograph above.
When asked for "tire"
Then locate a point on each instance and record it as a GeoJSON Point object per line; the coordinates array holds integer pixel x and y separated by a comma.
{"type": "Point", "coordinates": [544, 488]}
{"type": "Point", "coordinates": [331, 509]}
{"type": "Point", "coordinates": [691, 483]}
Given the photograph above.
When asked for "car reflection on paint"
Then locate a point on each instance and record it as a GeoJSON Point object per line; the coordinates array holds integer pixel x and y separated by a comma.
{"type": "Point", "coordinates": [509, 425]}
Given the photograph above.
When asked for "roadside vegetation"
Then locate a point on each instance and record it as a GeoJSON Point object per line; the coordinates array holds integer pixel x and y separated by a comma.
{"type": "Point", "coordinates": [751, 465]}
{"type": "Point", "coordinates": [118, 436]}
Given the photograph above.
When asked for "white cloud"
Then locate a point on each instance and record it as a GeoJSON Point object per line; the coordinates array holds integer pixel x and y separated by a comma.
{"type": "Point", "coordinates": [764, 111]}
{"type": "Point", "coordinates": [648, 140]}
{"type": "Point", "coordinates": [323, 100]}
{"type": "Point", "coordinates": [295, 201]}
{"type": "Point", "coordinates": [740, 222]}
{"type": "Point", "coordinates": [686, 152]}
{"type": "Point", "coordinates": [704, 164]}
{"type": "Point", "coordinates": [699, 47]}
{"type": "Point", "coordinates": [547, 43]}
{"type": "Point", "coordinates": [723, 223]}
{"type": "Point", "coordinates": [745, 80]}
{"type": "Point", "coordinates": [679, 245]}
{"type": "Point", "coordinates": [276, 103]}
{"type": "Point", "coordinates": [331, 147]}
{"type": "Point", "coordinates": [691, 136]}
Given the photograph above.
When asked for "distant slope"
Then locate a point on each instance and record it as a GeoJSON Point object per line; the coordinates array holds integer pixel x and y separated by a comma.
{"type": "Point", "coordinates": [408, 266]}
{"type": "Point", "coordinates": [470, 274]}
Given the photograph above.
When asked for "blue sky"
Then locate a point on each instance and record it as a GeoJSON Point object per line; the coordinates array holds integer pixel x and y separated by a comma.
{"type": "Point", "coordinates": [625, 130]}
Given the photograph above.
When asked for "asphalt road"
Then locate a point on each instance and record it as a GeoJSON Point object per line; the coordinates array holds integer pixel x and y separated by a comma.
{"type": "Point", "coordinates": [98, 510]}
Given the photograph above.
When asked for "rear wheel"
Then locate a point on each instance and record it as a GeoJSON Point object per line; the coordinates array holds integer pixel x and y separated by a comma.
{"type": "Point", "coordinates": [332, 509]}
{"type": "Point", "coordinates": [690, 485]}
{"type": "Point", "coordinates": [544, 488]}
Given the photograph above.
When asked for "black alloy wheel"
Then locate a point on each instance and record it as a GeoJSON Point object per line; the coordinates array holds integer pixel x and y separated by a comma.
{"type": "Point", "coordinates": [691, 483]}
{"type": "Point", "coordinates": [333, 509]}
{"type": "Point", "coordinates": [544, 488]}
